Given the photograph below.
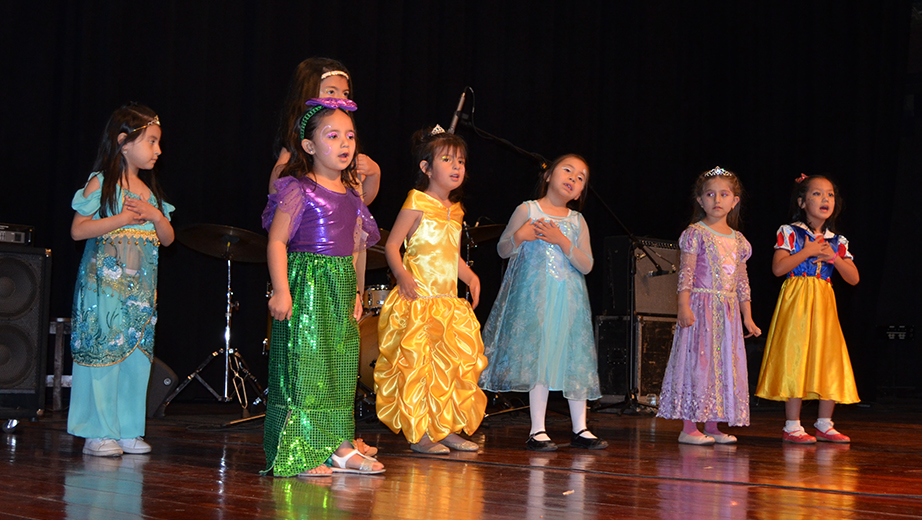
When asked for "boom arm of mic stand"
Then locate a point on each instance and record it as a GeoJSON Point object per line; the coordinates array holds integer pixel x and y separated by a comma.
{"type": "Point", "coordinates": [634, 240]}
{"type": "Point", "coordinates": [506, 144]}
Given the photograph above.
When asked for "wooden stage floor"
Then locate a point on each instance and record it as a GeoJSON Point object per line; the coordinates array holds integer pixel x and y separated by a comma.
{"type": "Point", "coordinates": [201, 470]}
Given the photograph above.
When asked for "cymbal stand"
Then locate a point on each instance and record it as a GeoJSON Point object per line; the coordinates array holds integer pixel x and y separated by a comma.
{"type": "Point", "coordinates": [236, 371]}
{"type": "Point", "coordinates": [467, 254]}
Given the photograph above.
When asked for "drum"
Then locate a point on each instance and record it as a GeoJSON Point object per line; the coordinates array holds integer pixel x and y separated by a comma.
{"type": "Point", "coordinates": [368, 350]}
{"type": "Point", "coordinates": [374, 297]}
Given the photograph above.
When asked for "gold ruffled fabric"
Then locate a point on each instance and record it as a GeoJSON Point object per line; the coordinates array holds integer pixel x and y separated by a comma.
{"type": "Point", "coordinates": [805, 352]}
{"type": "Point", "coordinates": [431, 352]}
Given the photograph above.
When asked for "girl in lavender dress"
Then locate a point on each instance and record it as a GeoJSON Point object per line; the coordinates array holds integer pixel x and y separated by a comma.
{"type": "Point", "coordinates": [706, 379]}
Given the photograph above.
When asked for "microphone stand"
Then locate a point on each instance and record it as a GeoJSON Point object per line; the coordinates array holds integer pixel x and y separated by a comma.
{"type": "Point", "coordinates": [630, 402]}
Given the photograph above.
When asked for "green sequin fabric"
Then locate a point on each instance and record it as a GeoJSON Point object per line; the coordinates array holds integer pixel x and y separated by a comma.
{"type": "Point", "coordinates": [313, 365]}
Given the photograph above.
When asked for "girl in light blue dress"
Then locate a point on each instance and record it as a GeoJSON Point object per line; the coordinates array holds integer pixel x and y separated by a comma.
{"type": "Point", "coordinates": [539, 334]}
{"type": "Point", "coordinates": [121, 214]}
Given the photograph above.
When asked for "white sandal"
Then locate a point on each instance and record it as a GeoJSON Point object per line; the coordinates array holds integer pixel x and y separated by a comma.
{"type": "Point", "coordinates": [365, 468]}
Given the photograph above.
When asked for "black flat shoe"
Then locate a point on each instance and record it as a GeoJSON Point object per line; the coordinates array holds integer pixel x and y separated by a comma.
{"type": "Point", "coordinates": [533, 444]}
{"type": "Point", "coordinates": [578, 441]}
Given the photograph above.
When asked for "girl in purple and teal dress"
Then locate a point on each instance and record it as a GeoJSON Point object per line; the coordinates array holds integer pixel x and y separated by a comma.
{"type": "Point", "coordinates": [316, 222]}
{"type": "Point", "coordinates": [121, 214]}
{"type": "Point", "coordinates": [706, 379]}
{"type": "Point", "coordinates": [805, 353]}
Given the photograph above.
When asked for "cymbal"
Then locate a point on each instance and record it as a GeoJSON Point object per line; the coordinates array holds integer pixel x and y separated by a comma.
{"type": "Point", "coordinates": [480, 234]}
{"type": "Point", "coordinates": [374, 258]}
{"type": "Point", "coordinates": [225, 242]}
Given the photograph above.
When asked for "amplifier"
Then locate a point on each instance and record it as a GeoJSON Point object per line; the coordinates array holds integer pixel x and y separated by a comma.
{"type": "Point", "coordinates": [16, 234]}
{"type": "Point", "coordinates": [631, 279]}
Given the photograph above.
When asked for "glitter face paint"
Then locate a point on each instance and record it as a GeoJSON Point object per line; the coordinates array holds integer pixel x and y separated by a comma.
{"type": "Point", "coordinates": [329, 149]}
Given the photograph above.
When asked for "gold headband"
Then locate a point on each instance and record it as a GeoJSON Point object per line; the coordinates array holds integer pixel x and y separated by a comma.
{"type": "Point", "coordinates": [154, 121]}
{"type": "Point", "coordinates": [327, 74]}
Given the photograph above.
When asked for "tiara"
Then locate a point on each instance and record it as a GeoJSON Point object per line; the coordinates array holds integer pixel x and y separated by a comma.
{"type": "Point", "coordinates": [318, 104]}
{"type": "Point", "coordinates": [154, 121]}
{"type": "Point", "coordinates": [717, 171]}
{"type": "Point", "coordinates": [330, 73]}
{"type": "Point", "coordinates": [436, 130]}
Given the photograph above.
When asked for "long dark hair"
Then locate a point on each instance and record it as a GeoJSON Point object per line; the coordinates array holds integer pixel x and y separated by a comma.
{"type": "Point", "coordinates": [541, 190]}
{"type": "Point", "coordinates": [801, 187]}
{"type": "Point", "coordinates": [425, 146]}
{"type": "Point", "coordinates": [132, 120]}
{"type": "Point", "coordinates": [304, 85]}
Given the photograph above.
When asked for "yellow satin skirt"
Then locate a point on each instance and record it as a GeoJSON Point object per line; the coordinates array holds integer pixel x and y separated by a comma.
{"type": "Point", "coordinates": [805, 353]}
{"type": "Point", "coordinates": [430, 359]}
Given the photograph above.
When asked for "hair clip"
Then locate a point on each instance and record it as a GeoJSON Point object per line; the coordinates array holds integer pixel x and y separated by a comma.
{"type": "Point", "coordinates": [331, 102]}
{"type": "Point", "coordinates": [436, 130]}
{"type": "Point", "coordinates": [802, 178]}
{"type": "Point", "coordinates": [154, 121]}
{"type": "Point", "coordinates": [318, 104]}
{"type": "Point", "coordinates": [330, 73]}
{"type": "Point", "coordinates": [717, 171]}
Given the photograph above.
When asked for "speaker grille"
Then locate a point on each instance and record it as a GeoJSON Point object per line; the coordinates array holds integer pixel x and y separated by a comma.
{"type": "Point", "coordinates": [17, 359]}
{"type": "Point", "coordinates": [18, 287]}
{"type": "Point", "coordinates": [25, 274]}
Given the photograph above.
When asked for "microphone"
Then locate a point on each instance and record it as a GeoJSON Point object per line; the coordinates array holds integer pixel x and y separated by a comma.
{"type": "Point", "coordinates": [457, 114]}
{"type": "Point", "coordinates": [661, 272]}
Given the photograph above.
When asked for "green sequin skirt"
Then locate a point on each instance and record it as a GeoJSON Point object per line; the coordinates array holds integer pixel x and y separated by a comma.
{"type": "Point", "coordinates": [313, 366]}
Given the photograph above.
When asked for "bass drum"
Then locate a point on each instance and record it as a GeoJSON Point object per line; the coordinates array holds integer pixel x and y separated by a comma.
{"type": "Point", "coordinates": [368, 350]}
{"type": "Point", "coordinates": [374, 297]}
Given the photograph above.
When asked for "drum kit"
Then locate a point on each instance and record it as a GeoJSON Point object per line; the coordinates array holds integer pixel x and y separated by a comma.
{"type": "Point", "coordinates": [229, 244]}
{"type": "Point", "coordinates": [233, 244]}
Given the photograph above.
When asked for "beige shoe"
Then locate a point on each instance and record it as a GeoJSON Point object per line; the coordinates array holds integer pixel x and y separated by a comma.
{"type": "Point", "coordinates": [722, 438]}
{"type": "Point", "coordinates": [432, 449]}
{"type": "Point", "coordinates": [462, 445]}
{"type": "Point", "coordinates": [698, 440]}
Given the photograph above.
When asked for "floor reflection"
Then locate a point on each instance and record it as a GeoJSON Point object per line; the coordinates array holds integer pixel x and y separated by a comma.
{"type": "Point", "coordinates": [690, 491]}
{"type": "Point", "coordinates": [102, 485]}
{"type": "Point", "coordinates": [812, 467]}
{"type": "Point", "coordinates": [423, 492]}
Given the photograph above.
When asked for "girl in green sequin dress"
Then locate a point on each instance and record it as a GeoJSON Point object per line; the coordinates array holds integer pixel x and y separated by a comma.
{"type": "Point", "coordinates": [316, 221]}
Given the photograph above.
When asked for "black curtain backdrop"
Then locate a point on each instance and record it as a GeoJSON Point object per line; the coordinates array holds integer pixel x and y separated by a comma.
{"type": "Point", "coordinates": [651, 93]}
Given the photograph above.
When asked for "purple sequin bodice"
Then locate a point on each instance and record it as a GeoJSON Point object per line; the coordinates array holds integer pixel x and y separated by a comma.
{"type": "Point", "coordinates": [322, 221]}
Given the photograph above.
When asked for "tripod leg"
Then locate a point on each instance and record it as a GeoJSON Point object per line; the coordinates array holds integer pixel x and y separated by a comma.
{"type": "Point", "coordinates": [195, 375]}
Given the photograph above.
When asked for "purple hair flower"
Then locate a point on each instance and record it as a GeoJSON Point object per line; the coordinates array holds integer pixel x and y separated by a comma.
{"type": "Point", "coordinates": [318, 104]}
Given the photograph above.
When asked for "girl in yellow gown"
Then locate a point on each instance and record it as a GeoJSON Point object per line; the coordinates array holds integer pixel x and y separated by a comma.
{"type": "Point", "coordinates": [431, 353]}
{"type": "Point", "coordinates": [805, 353]}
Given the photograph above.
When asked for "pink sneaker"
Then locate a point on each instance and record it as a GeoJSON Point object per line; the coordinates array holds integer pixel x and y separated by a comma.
{"type": "Point", "coordinates": [798, 437]}
{"type": "Point", "coordinates": [831, 435]}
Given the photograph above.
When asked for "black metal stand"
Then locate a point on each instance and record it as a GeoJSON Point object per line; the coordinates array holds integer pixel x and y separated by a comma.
{"type": "Point", "coordinates": [630, 405]}
{"type": "Point", "coordinates": [237, 373]}
{"type": "Point", "coordinates": [364, 403]}
{"type": "Point", "coordinates": [507, 405]}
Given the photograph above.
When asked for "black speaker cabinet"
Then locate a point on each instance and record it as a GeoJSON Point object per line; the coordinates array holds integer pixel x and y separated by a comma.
{"type": "Point", "coordinates": [162, 383]}
{"type": "Point", "coordinates": [614, 346]}
{"type": "Point", "coordinates": [653, 338]}
{"type": "Point", "coordinates": [632, 289]}
{"type": "Point", "coordinates": [633, 353]}
{"type": "Point", "coordinates": [25, 276]}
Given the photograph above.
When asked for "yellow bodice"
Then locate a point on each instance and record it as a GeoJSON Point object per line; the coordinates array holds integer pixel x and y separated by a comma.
{"type": "Point", "coordinates": [432, 251]}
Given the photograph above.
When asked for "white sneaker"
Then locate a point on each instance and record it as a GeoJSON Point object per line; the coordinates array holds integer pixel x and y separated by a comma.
{"type": "Point", "coordinates": [102, 448]}
{"type": "Point", "coordinates": [135, 446]}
